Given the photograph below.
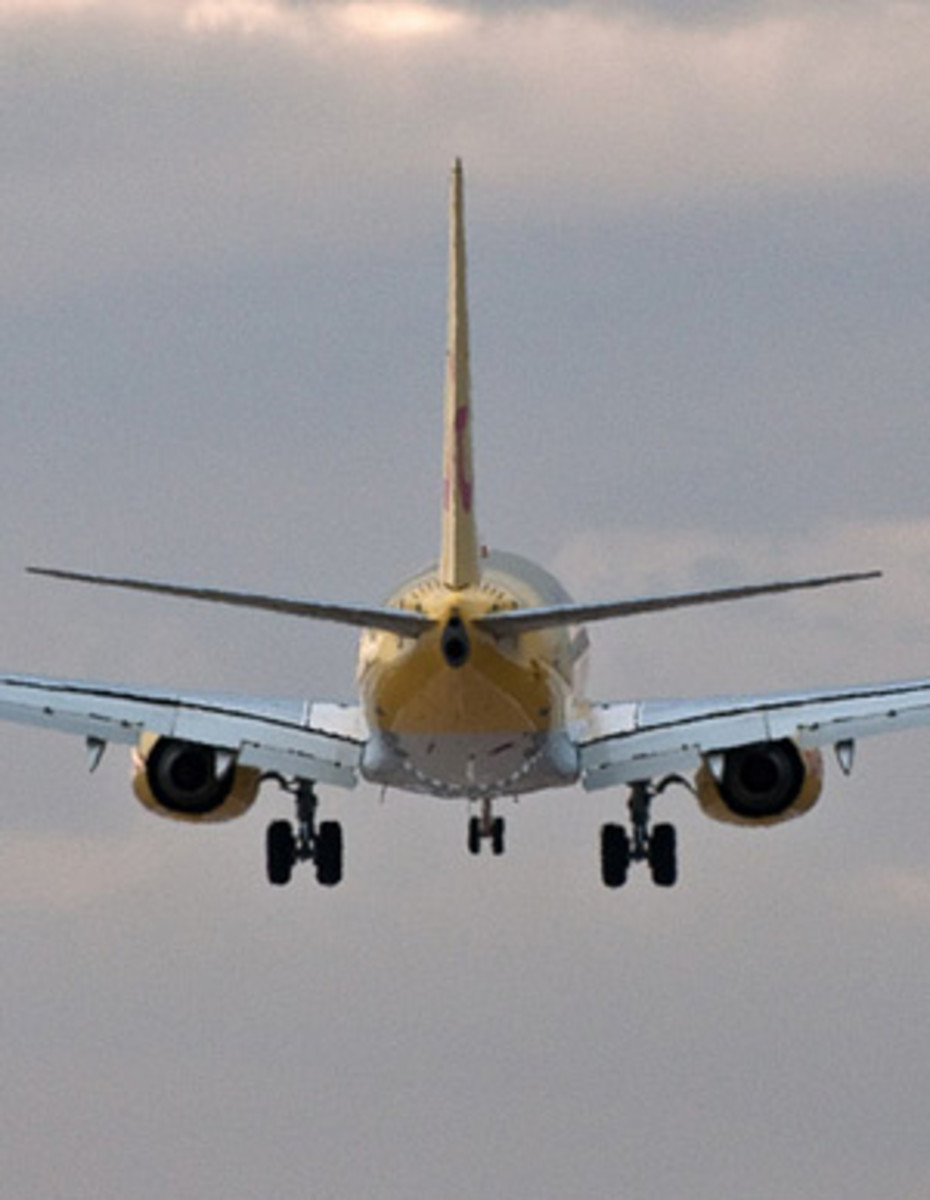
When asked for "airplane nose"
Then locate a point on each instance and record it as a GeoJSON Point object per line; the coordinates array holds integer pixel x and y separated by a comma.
{"type": "Point", "coordinates": [456, 648]}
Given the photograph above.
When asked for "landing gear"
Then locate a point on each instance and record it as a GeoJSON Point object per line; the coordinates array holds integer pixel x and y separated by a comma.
{"type": "Point", "coordinates": [655, 845]}
{"type": "Point", "coordinates": [663, 859]}
{"type": "Point", "coordinates": [281, 852]}
{"type": "Point", "coordinates": [287, 844]}
{"type": "Point", "coordinates": [486, 827]}
{"type": "Point", "coordinates": [615, 855]}
{"type": "Point", "coordinates": [328, 854]}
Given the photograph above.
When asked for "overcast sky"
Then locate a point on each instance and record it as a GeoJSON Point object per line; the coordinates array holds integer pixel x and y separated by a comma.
{"type": "Point", "coordinates": [700, 279]}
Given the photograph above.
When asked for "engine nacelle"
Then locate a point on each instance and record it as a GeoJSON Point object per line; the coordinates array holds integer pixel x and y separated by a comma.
{"type": "Point", "coordinates": [191, 782]}
{"type": "Point", "coordinates": [762, 784]}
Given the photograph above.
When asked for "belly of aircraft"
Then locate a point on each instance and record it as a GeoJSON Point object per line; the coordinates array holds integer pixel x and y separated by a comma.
{"type": "Point", "coordinates": [474, 766]}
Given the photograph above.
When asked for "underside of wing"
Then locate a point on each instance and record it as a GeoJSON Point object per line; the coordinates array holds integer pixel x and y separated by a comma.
{"type": "Point", "coordinates": [623, 743]}
{"type": "Point", "coordinates": [295, 738]}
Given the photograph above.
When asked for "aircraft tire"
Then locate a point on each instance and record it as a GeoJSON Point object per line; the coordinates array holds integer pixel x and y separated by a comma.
{"type": "Point", "coordinates": [663, 857]}
{"type": "Point", "coordinates": [281, 852]}
{"type": "Point", "coordinates": [497, 835]}
{"type": "Point", "coordinates": [474, 835]}
{"type": "Point", "coordinates": [328, 853]}
{"type": "Point", "coordinates": [615, 855]}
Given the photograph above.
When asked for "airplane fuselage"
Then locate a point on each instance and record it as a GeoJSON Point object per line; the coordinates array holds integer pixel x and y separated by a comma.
{"type": "Point", "coordinates": [459, 712]}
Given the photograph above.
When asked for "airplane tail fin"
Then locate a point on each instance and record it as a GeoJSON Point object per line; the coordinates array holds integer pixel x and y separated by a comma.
{"type": "Point", "coordinates": [459, 559]}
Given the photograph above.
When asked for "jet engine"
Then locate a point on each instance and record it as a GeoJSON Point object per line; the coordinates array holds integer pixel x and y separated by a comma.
{"type": "Point", "coordinates": [191, 782]}
{"type": "Point", "coordinates": [761, 784]}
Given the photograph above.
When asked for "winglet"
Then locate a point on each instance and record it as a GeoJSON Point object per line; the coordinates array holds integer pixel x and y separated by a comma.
{"type": "Point", "coordinates": [459, 563]}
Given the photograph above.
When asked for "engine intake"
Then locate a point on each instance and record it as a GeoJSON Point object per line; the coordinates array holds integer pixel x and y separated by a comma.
{"type": "Point", "coordinates": [191, 781]}
{"type": "Point", "coordinates": [761, 784]}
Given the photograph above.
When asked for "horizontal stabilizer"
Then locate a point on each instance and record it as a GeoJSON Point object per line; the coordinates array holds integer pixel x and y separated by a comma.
{"type": "Point", "coordinates": [524, 620]}
{"type": "Point", "coordinates": [392, 620]}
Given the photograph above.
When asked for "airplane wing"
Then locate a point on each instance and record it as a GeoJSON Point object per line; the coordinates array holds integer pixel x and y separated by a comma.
{"type": "Point", "coordinates": [311, 741]}
{"type": "Point", "coordinates": [627, 743]}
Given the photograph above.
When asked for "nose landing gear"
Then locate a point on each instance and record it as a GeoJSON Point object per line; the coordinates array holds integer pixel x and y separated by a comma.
{"type": "Point", "coordinates": [486, 827]}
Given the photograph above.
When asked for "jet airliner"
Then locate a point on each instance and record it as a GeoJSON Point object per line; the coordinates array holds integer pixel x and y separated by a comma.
{"type": "Point", "coordinates": [467, 690]}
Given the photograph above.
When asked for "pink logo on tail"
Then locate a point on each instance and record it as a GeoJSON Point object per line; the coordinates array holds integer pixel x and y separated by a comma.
{"type": "Point", "coordinates": [463, 484]}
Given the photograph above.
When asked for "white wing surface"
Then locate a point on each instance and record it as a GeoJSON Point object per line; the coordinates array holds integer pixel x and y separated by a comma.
{"type": "Point", "coordinates": [626, 743]}
{"type": "Point", "coordinates": [318, 742]}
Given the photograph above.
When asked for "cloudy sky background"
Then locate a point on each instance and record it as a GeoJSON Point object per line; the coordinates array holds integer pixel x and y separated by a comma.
{"type": "Point", "coordinates": [699, 256]}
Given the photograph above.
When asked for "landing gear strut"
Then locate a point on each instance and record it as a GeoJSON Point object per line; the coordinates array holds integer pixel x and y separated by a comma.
{"type": "Point", "coordinates": [287, 844]}
{"type": "Point", "coordinates": [654, 844]}
{"type": "Point", "coordinates": [486, 827]}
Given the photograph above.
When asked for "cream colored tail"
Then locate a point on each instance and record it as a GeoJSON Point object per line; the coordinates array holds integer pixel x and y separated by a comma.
{"type": "Point", "coordinates": [458, 565]}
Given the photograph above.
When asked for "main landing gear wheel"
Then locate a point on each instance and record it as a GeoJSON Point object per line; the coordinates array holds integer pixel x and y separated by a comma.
{"type": "Point", "coordinates": [281, 851]}
{"type": "Point", "coordinates": [328, 854]}
{"type": "Point", "coordinates": [486, 827]}
{"type": "Point", "coordinates": [615, 855]}
{"type": "Point", "coordinates": [655, 845]}
{"type": "Point", "coordinates": [663, 859]}
{"type": "Point", "coordinates": [287, 844]}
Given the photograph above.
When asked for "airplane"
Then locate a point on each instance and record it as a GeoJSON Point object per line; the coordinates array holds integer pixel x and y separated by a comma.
{"type": "Point", "coordinates": [467, 689]}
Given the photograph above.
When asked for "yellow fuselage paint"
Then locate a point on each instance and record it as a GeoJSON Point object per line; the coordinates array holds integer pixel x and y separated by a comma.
{"type": "Point", "coordinates": [511, 685]}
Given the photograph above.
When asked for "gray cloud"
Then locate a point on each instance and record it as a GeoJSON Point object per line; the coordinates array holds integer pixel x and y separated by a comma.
{"type": "Point", "coordinates": [698, 268]}
{"type": "Point", "coordinates": [676, 11]}
{"type": "Point", "coordinates": [588, 115]}
{"type": "Point", "coordinates": [661, 8]}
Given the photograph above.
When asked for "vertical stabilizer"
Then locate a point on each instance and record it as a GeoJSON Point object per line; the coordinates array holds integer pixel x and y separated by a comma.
{"type": "Point", "coordinates": [458, 566]}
